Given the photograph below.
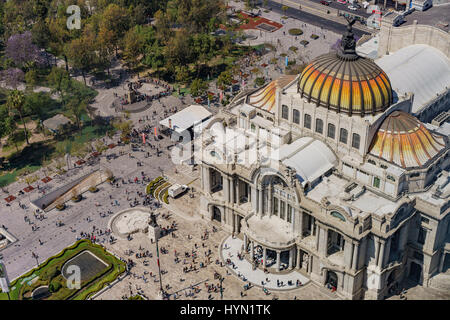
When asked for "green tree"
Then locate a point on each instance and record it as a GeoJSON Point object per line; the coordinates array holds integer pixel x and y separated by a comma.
{"type": "Point", "coordinates": [198, 87]}
{"type": "Point", "coordinates": [15, 102]}
{"type": "Point", "coordinates": [58, 79]}
{"type": "Point", "coordinates": [117, 20]}
{"type": "Point", "coordinates": [224, 79]}
{"type": "Point", "coordinates": [182, 74]}
{"type": "Point", "coordinates": [105, 48]}
{"type": "Point", "coordinates": [31, 78]}
{"type": "Point", "coordinates": [82, 53]}
{"type": "Point", "coordinates": [78, 108]}
{"type": "Point", "coordinates": [133, 47]}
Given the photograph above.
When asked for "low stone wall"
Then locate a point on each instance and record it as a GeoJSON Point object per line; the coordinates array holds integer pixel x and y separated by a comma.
{"type": "Point", "coordinates": [394, 38]}
{"type": "Point", "coordinates": [65, 193]}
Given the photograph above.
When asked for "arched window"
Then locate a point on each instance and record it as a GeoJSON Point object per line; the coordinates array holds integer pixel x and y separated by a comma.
{"type": "Point", "coordinates": [296, 116]}
{"type": "Point", "coordinates": [337, 215]}
{"type": "Point", "coordinates": [343, 136]}
{"type": "Point", "coordinates": [285, 112]}
{"type": "Point", "coordinates": [331, 131]}
{"type": "Point", "coordinates": [307, 121]}
{"type": "Point", "coordinates": [319, 125]}
{"type": "Point", "coordinates": [356, 141]}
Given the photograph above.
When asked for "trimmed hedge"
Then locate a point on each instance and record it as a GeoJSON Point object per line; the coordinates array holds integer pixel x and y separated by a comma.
{"type": "Point", "coordinates": [295, 32]}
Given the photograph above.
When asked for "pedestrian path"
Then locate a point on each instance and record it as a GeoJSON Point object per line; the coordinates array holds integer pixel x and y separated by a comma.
{"type": "Point", "coordinates": [229, 250]}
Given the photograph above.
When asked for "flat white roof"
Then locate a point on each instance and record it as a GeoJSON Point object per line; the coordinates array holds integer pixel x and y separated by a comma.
{"type": "Point", "coordinates": [420, 69]}
{"type": "Point", "coordinates": [310, 158]}
{"type": "Point", "coordinates": [186, 118]}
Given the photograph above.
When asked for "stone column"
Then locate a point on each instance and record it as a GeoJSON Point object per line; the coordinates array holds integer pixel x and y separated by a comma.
{"type": "Point", "coordinates": [269, 200]}
{"type": "Point", "coordinates": [226, 189]}
{"type": "Point", "coordinates": [202, 176]}
{"type": "Point", "coordinates": [381, 255]}
{"type": "Point", "coordinates": [297, 262]}
{"type": "Point", "coordinates": [441, 263]}
{"type": "Point", "coordinates": [385, 260]}
{"type": "Point", "coordinates": [236, 223]}
{"type": "Point", "coordinates": [238, 195]}
{"type": "Point", "coordinates": [207, 180]}
{"type": "Point", "coordinates": [300, 225]}
{"type": "Point", "coordinates": [355, 256]}
{"type": "Point", "coordinates": [278, 260]}
{"type": "Point", "coordinates": [377, 248]}
{"type": "Point", "coordinates": [252, 247]}
{"type": "Point", "coordinates": [293, 214]}
{"type": "Point", "coordinates": [279, 207]}
{"type": "Point", "coordinates": [261, 202]}
{"type": "Point", "coordinates": [348, 253]}
{"type": "Point", "coordinates": [264, 256]}
{"type": "Point", "coordinates": [291, 258]}
{"type": "Point", "coordinates": [253, 198]}
{"type": "Point", "coordinates": [317, 237]}
{"type": "Point", "coordinates": [232, 189]}
{"type": "Point", "coordinates": [245, 242]}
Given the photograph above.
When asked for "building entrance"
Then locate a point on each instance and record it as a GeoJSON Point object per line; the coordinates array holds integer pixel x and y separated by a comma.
{"type": "Point", "coordinates": [332, 279]}
{"type": "Point", "coordinates": [216, 214]}
{"type": "Point", "coordinates": [415, 272]}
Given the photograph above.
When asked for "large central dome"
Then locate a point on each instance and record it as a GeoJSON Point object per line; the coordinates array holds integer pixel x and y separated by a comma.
{"type": "Point", "coordinates": [345, 82]}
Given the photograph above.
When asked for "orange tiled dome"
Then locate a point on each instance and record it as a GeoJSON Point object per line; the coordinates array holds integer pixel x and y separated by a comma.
{"type": "Point", "coordinates": [405, 141]}
{"type": "Point", "coordinates": [352, 86]}
{"type": "Point", "coordinates": [346, 82]}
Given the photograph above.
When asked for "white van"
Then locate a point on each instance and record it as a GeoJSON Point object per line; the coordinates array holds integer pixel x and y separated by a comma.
{"type": "Point", "coordinates": [176, 190]}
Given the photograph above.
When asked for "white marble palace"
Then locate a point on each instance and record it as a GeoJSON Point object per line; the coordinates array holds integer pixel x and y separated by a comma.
{"type": "Point", "coordinates": [328, 173]}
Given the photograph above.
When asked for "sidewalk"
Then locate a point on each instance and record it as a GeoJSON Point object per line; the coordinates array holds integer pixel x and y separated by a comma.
{"type": "Point", "coordinates": [256, 276]}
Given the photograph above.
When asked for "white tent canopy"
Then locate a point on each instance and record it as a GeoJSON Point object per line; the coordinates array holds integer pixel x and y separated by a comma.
{"type": "Point", "coordinates": [186, 118]}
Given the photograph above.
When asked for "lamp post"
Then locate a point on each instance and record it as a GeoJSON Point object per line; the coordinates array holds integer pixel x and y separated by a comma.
{"type": "Point", "coordinates": [154, 224]}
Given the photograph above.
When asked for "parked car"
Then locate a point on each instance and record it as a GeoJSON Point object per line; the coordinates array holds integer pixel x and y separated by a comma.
{"type": "Point", "coordinates": [342, 1]}
{"type": "Point", "coordinates": [325, 2]}
{"type": "Point", "coordinates": [353, 8]}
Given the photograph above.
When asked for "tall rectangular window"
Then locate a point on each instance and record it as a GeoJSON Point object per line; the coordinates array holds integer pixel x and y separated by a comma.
{"type": "Point", "coordinates": [275, 206]}
{"type": "Point", "coordinates": [307, 121]}
{"type": "Point", "coordinates": [319, 126]}
{"type": "Point", "coordinates": [356, 141]}
{"type": "Point", "coordinates": [422, 236]}
{"type": "Point", "coordinates": [376, 182]}
{"type": "Point", "coordinates": [331, 131]}
{"type": "Point", "coordinates": [296, 116]}
{"type": "Point", "coordinates": [285, 112]}
{"type": "Point", "coordinates": [289, 213]}
{"type": "Point", "coordinates": [282, 209]}
{"type": "Point", "coordinates": [343, 136]}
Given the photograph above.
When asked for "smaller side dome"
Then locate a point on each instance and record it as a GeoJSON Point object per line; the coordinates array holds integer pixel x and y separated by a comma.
{"type": "Point", "coordinates": [265, 97]}
{"type": "Point", "coordinates": [405, 141]}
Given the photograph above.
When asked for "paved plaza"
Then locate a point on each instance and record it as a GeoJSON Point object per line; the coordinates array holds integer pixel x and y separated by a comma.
{"type": "Point", "coordinates": [230, 249]}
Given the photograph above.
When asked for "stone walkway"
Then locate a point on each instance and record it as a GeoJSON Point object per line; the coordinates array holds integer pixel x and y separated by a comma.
{"type": "Point", "coordinates": [230, 249]}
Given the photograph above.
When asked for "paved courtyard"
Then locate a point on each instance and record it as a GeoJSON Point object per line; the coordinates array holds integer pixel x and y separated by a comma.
{"type": "Point", "coordinates": [230, 249]}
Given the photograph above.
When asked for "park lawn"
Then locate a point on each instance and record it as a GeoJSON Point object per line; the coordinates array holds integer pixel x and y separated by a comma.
{"type": "Point", "coordinates": [47, 273]}
{"type": "Point", "coordinates": [32, 157]}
